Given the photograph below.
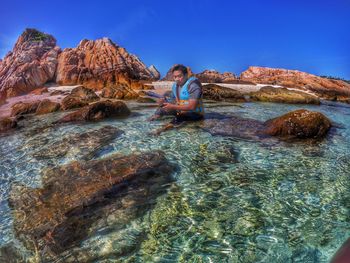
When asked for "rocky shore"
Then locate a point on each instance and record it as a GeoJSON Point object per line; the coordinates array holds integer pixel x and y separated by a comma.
{"type": "Point", "coordinates": [95, 82]}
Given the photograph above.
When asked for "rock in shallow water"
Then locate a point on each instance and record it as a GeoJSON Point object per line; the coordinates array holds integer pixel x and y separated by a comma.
{"type": "Point", "coordinates": [233, 126]}
{"type": "Point", "coordinates": [59, 215]}
{"type": "Point", "coordinates": [7, 124]}
{"type": "Point", "coordinates": [299, 124]}
{"type": "Point", "coordinates": [97, 111]}
{"type": "Point", "coordinates": [81, 145]}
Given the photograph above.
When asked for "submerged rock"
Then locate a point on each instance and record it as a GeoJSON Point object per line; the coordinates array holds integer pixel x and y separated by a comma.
{"type": "Point", "coordinates": [75, 196]}
{"type": "Point", "coordinates": [81, 145]}
{"type": "Point", "coordinates": [97, 111]}
{"type": "Point", "coordinates": [233, 126]}
{"type": "Point", "coordinates": [7, 124]}
{"type": "Point", "coordinates": [9, 253]}
{"type": "Point", "coordinates": [299, 124]}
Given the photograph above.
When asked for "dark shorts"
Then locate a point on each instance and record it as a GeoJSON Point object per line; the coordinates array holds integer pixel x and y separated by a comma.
{"type": "Point", "coordinates": [179, 117]}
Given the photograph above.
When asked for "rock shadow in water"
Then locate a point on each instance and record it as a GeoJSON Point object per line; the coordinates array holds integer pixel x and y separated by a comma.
{"type": "Point", "coordinates": [64, 212]}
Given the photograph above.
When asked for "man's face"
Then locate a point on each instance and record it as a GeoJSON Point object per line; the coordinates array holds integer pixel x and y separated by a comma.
{"type": "Point", "coordinates": [179, 77]}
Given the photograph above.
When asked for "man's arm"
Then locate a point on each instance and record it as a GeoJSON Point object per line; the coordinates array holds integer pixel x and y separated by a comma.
{"type": "Point", "coordinates": [192, 104]}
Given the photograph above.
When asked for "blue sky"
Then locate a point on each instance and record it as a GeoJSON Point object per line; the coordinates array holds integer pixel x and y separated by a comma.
{"type": "Point", "coordinates": [311, 36]}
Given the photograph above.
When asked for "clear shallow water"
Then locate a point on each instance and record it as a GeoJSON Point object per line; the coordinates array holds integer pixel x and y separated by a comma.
{"type": "Point", "coordinates": [233, 200]}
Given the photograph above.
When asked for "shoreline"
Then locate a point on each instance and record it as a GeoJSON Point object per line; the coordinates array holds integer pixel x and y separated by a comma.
{"type": "Point", "coordinates": [159, 87]}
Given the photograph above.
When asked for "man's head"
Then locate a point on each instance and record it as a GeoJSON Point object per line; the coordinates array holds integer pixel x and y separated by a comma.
{"type": "Point", "coordinates": [180, 74]}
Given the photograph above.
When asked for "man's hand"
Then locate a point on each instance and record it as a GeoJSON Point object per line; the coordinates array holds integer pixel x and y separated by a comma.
{"type": "Point", "coordinates": [161, 102]}
{"type": "Point", "coordinates": [169, 106]}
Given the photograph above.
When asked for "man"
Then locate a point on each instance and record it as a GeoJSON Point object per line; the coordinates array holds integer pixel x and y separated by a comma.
{"type": "Point", "coordinates": [186, 101]}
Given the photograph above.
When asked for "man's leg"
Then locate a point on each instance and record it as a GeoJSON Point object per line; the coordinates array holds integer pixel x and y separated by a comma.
{"type": "Point", "coordinates": [160, 112]}
{"type": "Point", "coordinates": [187, 116]}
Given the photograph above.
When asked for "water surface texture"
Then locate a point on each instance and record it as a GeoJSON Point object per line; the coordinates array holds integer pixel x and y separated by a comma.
{"type": "Point", "coordinates": [233, 200]}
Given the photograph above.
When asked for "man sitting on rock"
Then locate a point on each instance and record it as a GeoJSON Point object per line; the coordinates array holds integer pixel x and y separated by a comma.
{"type": "Point", "coordinates": [186, 100]}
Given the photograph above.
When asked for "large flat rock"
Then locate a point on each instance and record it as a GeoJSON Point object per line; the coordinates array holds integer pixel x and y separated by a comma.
{"type": "Point", "coordinates": [73, 197]}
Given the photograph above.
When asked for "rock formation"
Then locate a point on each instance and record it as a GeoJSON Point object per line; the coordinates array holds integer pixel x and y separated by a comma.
{"type": "Point", "coordinates": [323, 87]}
{"type": "Point", "coordinates": [219, 93]}
{"type": "Point", "coordinates": [283, 95]}
{"type": "Point", "coordinates": [119, 91]}
{"type": "Point", "coordinates": [213, 76]}
{"type": "Point", "coordinates": [154, 71]}
{"type": "Point", "coordinates": [31, 64]}
{"type": "Point", "coordinates": [98, 64]}
{"type": "Point", "coordinates": [265, 94]}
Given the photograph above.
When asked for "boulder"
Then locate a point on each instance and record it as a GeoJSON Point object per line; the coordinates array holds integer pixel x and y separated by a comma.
{"type": "Point", "coordinates": [71, 102]}
{"type": "Point", "coordinates": [46, 106]}
{"type": "Point", "coordinates": [283, 95]}
{"type": "Point", "coordinates": [119, 91]}
{"type": "Point", "coordinates": [79, 97]}
{"type": "Point", "coordinates": [85, 94]}
{"type": "Point", "coordinates": [219, 93]}
{"type": "Point", "coordinates": [22, 108]}
{"type": "Point", "coordinates": [7, 124]}
{"type": "Point", "coordinates": [81, 198]}
{"type": "Point", "coordinates": [98, 111]}
{"type": "Point", "coordinates": [30, 65]}
{"type": "Point", "coordinates": [299, 124]}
